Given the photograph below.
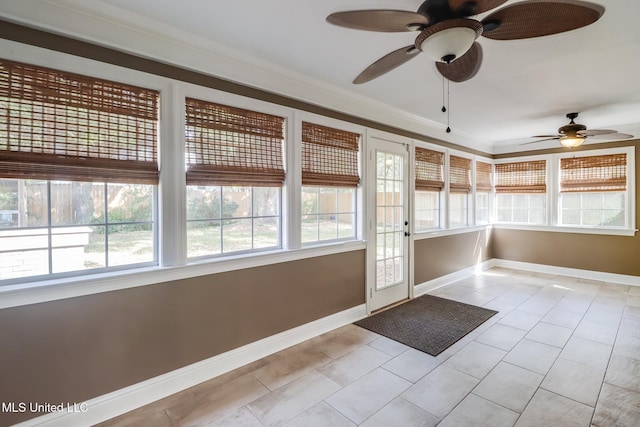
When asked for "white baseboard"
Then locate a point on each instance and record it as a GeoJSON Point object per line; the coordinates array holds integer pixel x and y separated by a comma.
{"type": "Point", "coordinates": [622, 279]}
{"type": "Point", "coordinates": [441, 281]}
{"type": "Point", "coordinates": [129, 398]}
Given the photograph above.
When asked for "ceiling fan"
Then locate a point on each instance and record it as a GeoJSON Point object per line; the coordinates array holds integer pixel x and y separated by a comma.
{"type": "Point", "coordinates": [448, 36]}
{"type": "Point", "coordinates": [574, 134]}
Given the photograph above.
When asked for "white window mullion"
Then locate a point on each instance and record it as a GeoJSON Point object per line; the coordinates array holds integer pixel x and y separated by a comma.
{"type": "Point", "coordinates": [292, 190]}
{"type": "Point", "coordinates": [172, 187]}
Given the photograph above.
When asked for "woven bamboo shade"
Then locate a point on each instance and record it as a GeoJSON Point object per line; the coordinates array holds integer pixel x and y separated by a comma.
{"type": "Point", "coordinates": [329, 156]}
{"type": "Point", "coordinates": [429, 176]}
{"type": "Point", "coordinates": [232, 146]}
{"type": "Point", "coordinates": [521, 177]}
{"type": "Point", "coordinates": [594, 173]}
{"type": "Point", "coordinates": [459, 174]}
{"type": "Point", "coordinates": [64, 126]}
{"type": "Point", "coordinates": [483, 177]}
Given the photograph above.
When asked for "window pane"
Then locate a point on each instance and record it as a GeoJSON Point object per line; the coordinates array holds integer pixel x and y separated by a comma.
{"type": "Point", "coordinates": [69, 246]}
{"type": "Point", "coordinates": [309, 228]}
{"type": "Point", "coordinates": [328, 227]}
{"type": "Point", "coordinates": [309, 200]}
{"type": "Point", "coordinates": [130, 243]}
{"type": "Point", "coordinates": [95, 254]}
{"type": "Point", "coordinates": [203, 238]}
{"type": "Point", "coordinates": [25, 253]}
{"type": "Point", "coordinates": [236, 202]}
{"type": "Point", "coordinates": [9, 213]}
{"type": "Point", "coordinates": [266, 201]}
{"type": "Point", "coordinates": [593, 209]}
{"type": "Point", "coordinates": [266, 232]}
{"type": "Point", "coordinates": [327, 200]}
{"type": "Point", "coordinates": [427, 211]}
{"type": "Point", "coordinates": [236, 235]}
{"type": "Point", "coordinates": [346, 226]}
{"type": "Point", "coordinates": [204, 203]}
{"type": "Point", "coordinates": [129, 203]}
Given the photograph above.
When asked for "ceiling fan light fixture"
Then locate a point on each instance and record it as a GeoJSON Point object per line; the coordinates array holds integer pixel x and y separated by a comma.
{"type": "Point", "coordinates": [572, 141]}
{"type": "Point", "coordinates": [448, 40]}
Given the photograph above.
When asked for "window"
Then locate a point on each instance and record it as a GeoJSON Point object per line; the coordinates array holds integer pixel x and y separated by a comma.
{"type": "Point", "coordinates": [429, 183]}
{"type": "Point", "coordinates": [459, 190]}
{"type": "Point", "coordinates": [330, 178]}
{"type": "Point", "coordinates": [521, 192]}
{"type": "Point", "coordinates": [593, 191]}
{"type": "Point", "coordinates": [235, 172]}
{"type": "Point", "coordinates": [78, 172]}
{"type": "Point", "coordinates": [483, 192]}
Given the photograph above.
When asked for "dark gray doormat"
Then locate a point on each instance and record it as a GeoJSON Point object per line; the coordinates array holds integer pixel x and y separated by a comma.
{"type": "Point", "coordinates": [427, 323]}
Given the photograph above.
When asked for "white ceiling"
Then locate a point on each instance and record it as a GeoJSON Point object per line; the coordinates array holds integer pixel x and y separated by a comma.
{"type": "Point", "coordinates": [524, 87]}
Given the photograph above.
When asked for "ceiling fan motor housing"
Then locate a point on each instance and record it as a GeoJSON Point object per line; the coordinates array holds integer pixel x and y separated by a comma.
{"type": "Point", "coordinates": [448, 40]}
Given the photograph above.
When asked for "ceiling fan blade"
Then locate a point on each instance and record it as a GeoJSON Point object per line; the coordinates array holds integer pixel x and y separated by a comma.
{"type": "Point", "coordinates": [545, 136]}
{"type": "Point", "coordinates": [386, 63]}
{"type": "Point", "coordinates": [537, 18]}
{"type": "Point", "coordinates": [474, 7]}
{"type": "Point", "coordinates": [595, 132]}
{"type": "Point", "coordinates": [463, 68]}
{"type": "Point", "coordinates": [541, 140]}
{"type": "Point", "coordinates": [388, 21]}
{"type": "Point", "coordinates": [615, 135]}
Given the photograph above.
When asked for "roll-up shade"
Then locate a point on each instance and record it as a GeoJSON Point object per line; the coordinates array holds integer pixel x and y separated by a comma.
{"type": "Point", "coordinates": [329, 156]}
{"type": "Point", "coordinates": [65, 126]}
{"type": "Point", "coordinates": [521, 177]}
{"type": "Point", "coordinates": [483, 177]}
{"type": "Point", "coordinates": [232, 146]}
{"type": "Point", "coordinates": [594, 173]}
{"type": "Point", "coordinates": [459, 174]}
{"type": "Point", "coordinates": [429, 176]}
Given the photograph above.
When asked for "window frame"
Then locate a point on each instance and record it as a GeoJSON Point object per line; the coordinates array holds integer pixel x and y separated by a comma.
{"type": "Point", "coordinates": [295, 184]}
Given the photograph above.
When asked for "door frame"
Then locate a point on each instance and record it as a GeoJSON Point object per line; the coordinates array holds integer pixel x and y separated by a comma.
{"type": "Point", "coordinates": [375, 138]}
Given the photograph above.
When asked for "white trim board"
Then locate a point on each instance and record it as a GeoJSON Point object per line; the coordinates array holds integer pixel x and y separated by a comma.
{"type": "Point", "coordinates": [129, 398]}
{"type": "Point", "coordinates": [439, 282]}
{"type": "Point", "coordinates": [623, 279]}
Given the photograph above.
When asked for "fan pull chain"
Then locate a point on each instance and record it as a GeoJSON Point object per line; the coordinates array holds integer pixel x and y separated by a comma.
{"type": "Point", "coordinates": [444, 109]}
{"type": "Point", "coordinates": [449, 105]}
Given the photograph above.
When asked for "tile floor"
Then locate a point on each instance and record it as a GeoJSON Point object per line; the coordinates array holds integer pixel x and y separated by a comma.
{"type": "Point", "coordinates": [561, 352]}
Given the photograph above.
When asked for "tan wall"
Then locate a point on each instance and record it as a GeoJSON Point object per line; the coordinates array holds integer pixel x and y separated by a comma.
{"type": "Point", "coordinates": [611, 254]}
{"type": "Point", "coordinates": [79, 348]}
{"type": "Point", "coordinates": [444, 255]}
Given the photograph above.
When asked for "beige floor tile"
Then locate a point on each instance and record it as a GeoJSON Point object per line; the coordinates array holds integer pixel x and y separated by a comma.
{"type": "Point", "coordinates": [138, 419]}
{"type": "Point", "coordinates": [627, 346]}
{"type": "Point", "coordinates": [440, 390]}
{"type": "Point", "coordinates": [348, 368]}
{"type": "Point", "coordinates": [289, 401]}
{"type": "Point", "coordinates": [537, 305]}
{"type": "Point", "coordinates": [587, 352]}
{"type": "Point", "coordinates": [361, 399]}
{"type": "Point", "coordinates": [412, 364]}
{"type": "Point", "coordinates": [547, 333]}
{"type": "Point", "coordinates": [520, 319]}
{"type": "Point", "coordinates": [574, 380]}
{"type": "Point", "coordinates": [633, 300]}
{"type": "Point", "coordinates": [596, 331]}
{"type": "Point", "coordinates": [532, 355]}
{"type": "Point", "coordinates": [565, 318]}
{"type": "Point", "coordinates": [575, 303]}
{"type": "Point", "coordinates": [290, 366]}
{"type": "Point", "coordinates": [217, 402]}
{"type": "Point", "coordinates": [476, 359]}
{"type": "Point", "coordinates": [400, 412]}
{"type": "Point", "coordinates": [503, 308]}
{"type": "Point", "coordinates": [457, 346]}
{"type": "Point", "coordinates": [624, 372]}
{"type": "Point", "coordinates": [474, 411]}
{"type": "Point", "coordinates": [501, 336]}
{"type": "Point", "coordinates": [549, 409]}
{"type": "Point", "coordinates": [240, 418]}
{"type": "Point", "coordinates": [389, 346]}
{"type": "Point", "coordinates": [344, 341]}
{"type": "Point", "coordinates": [510, 386]}
{"type": "Point", "coordinates": [617, 407]}
{"type": "Point", "coordinates": [321, 415]}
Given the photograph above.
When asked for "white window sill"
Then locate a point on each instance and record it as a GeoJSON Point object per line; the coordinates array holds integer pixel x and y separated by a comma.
{"type": "Point", "coordinates": [430, 234]}
{"type": "Point", "coordinates": [567, 229]}
{"type": "Point", "coordinates": [70, 287]}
